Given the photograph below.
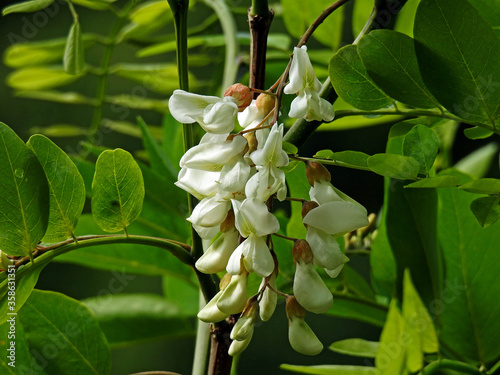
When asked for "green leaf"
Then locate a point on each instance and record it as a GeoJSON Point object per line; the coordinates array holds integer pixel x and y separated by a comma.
{"type": "Point", "coordinates": [490, 11]}
{"type": "Point", "coordinates": [94, 4]}
{"type": "Point", "coordinates": [125, 259]}
{"type": "Point", "coordinates": [138, 102]}
{"type": "Point", "coordinates": [74, 61]}
{"type": "Point", "coordinates": [435, 182]}
{"type": "Point", "coordinates": [360, 13]}
{"type": "Point", "coordinates": [469, 297]}
{"type": "Point", "coordinates": [25, 283]}
{"type": "Point", "coordinates": [40, 78]}
{"type": "Point", "coordinates": [290, 148]}
{"type": "Point", "coordinates": [394, 166]}
{"type": "Point", "coordinates": [459, 65]}
{"type": "Point", "coordinates": [486, 210]}
{"type": "Point", "coordinates": [389, 58]}
{"type": "Point", "coordinates": [422, 144]}
{"type": "Point", "coordinates": [59, 130]}
{"type": "Point", "coordinates": [356, 347]}
{"type": "Point", "coordinates": [297, 19]}
{"type": "Point", "coordinates": [158, 160]}
{"type": "Point", "coordinates": [117, 190]}
{"type": "Point", "coordinates": [352, 83]}
{"type": "Point", "coordinates": [66, 187]}
{"type": "Point", "coordinates": [418, 326]}
{"type": "Point", "coordinates": [55, 323]}
{"type": "Point", "coordinates": [27, 6]}
{"type": "Point", "coordinates": [299, 188]}
{"type": "Point", "coordinates": [128, 319]}
{"type": "Point", "coordinates": [129, 128]}
{"type": "Point", "coordinates": [184, 295]}
{"type": "Point", "coordinates": [57, 96]}
{"type": "Point", "coordinates": [146, 18]}
{"type": "Point", "coordinates": [477, 132]}
{"type": "Point", "coordinates": [406, 18]}
{"type": "Point", "coordinates": [345, 158]}
{"type": "Point", "coordinates": [482, 186]}
{"type": "Point", "coordinates": [391, 356]}
{"type": "Point", "coordinates": [478, 162]}
{"type": "Point", "coordinates": [24, 196]}
{"type": "Point", "coordinates": [331, 369]}
{"type": "Point", "coordinates": [351, 308]}
{"type": "Point", "coordinates": [161, 78]}
{"type": "Point", "coordinates": [40, 52]}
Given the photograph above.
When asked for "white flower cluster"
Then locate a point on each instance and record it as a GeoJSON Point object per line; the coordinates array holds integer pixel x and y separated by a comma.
{"type": "Point", "coordinates": [234, 176]}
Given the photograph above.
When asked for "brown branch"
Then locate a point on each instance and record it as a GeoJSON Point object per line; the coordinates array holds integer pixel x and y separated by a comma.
{"type": "Point", "coordinates": [259, 30]}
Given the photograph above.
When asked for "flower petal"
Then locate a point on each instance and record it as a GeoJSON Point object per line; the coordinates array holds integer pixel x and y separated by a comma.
{"type": "Point", "coordinates": [326, 250]}
{"type": "Point", "coordinates": [252, 216]}
{"type": "Point", "coordinates": [310, 290]}
{"type": "Point", "coordinates": [234, 297]}
{"type": "Point", "coordinates": [210, 313]}
{"type": "Point", "coordinates": [217, 255]}
{"type": "Point", "coordinates": [258, 258]}
{"type": "Point", "coordinates": [302, 338]}
{"type": "Point", "coordinates": [210, 212]}
{"type": "Point", "coordinates": [186, 107]}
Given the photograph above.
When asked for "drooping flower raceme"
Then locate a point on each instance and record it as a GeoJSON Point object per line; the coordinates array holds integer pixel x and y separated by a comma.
{"type": "Point", "coordinates": [303, 82]}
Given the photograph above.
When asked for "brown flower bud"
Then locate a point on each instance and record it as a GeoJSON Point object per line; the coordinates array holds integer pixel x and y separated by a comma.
{"type": "Point", "coordinates": [294, 309]}
{"type": "Point", "coordinates": [302, 252]}
{"type": "Point", "coordinates": [308, 206]}
{"type": "Point", "coordinates": [316, 172]}
{"type": "Point", "coordinates": [265, 103]}
{"type": "Point", "coordinates": [241, 93]}
{"type": "Point", "coordinates": [224, 282]}
{"type": "Point", "coordinates": [252, 141]}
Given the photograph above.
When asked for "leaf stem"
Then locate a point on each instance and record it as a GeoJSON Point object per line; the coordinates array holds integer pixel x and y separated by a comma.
{"type": "Point", "coordinates": [178, 249]}
{"type": "Point", "coordinates": [104, 66]}
{"type": "Point", "coordinates": [337, 163]}
{"type": "Point", "coordinates": [447, 364]}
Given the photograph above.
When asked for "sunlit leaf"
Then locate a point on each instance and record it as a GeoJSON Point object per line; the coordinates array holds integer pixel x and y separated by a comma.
{"type": "Point", "coordinates": [356, 347]}
{"type": "Point", "coordinates": [459, 65]}
{"type": "Point", "coordinates": [394, 166]}
{"type": "Point", "coordinates": [26, 6]}
{"type": "Point", "coordinates": [389, 58]}
{"type": "Point", "coordinates": [477, 132]}
{"type": "Point", "coordinates": [345, 158]}
{"type": "Point", "coordinates": [352, 83]}
{"type": "Point", "coordinates": [24, 196]}
{"type": "Point", "coordinates": [117, 190]}
{"type": "Point", "coordinates": [331, 369]}
{"type": "Point", "coordinates": [435, 182]}
{"type": "Point", "coordinates": [422, 144]}
{"type": "Point", "coordinates": [57, 96]}
{"type": "Point", "coordinates": [40, 78]}
{"type": "Point", "coordinates": [482, 186]}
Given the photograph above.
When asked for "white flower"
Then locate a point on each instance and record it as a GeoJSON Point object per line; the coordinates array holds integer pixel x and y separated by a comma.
{"type": "Point", "coordinates": [302, 338]}
{"type": "Point", "coordinates": [234, 296]}
{"type": "Point", "coordinates": [217, 255]}
{"type": "Point", "coordinates": [210, 313]}
{"type": "Point", "coordinates": [326, 250]}
{"type": "Point", "coordinates": [243, 328]}
{"type": "Point", "coordinates": [272, 153]}
{"type": "Point", "coordinates": [197, 182]}
{"type": "Point", "coordinates": [211, 156]}
{"type": "Point", "coordinates": [252, 217]}
{"type": "Point", "coordinates": [233, 178]}
{"type": "Point", "coordinates": [215, 115]}
{"type": "Point", "coordinates": [238, 347]}
{"type": "Point", "coordinates": [303, 82]}
{"type": "Point", "coordinates": [310, 290]}
{"type": "Point", "coordinates": [267, 304]}
{"type": "Point", "coordinates": [210, 212]}
{"type": "Point", "coordinates": [257, 257]}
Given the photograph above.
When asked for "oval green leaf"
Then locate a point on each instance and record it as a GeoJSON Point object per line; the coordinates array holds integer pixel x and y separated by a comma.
{"type": "Point", "coordinates": [356, 347]}
{"type": "Point", "coordinates": [422, 144]}
{"type": "Point", "coordinates": [483, 186]}
{"type": "Point", "coordinates": [117, 190]}
{"type": "Point", "coordinates": [352, 83]}
{"type": "Point", "coordinates": [435, 182]}
{"type": "Point", "coordinates": [352, 159]}
{"type": "Point", "coordinates": [40, 78]}
{"type": "Point", "coordinates": [477, 132]}
{"type": "Point", "coordinates": [49, 318]}
{"type": "Point", "coordinates": [66, 187]}
{"type": "Point", "coordinates": [74, 62]}
{"type": "Point", "coordinates": [459, 64]}
{"type": "Point", "coordinates": [486, 210]}
{"type": "Point", "coordinates": [24, 196]}
{"type": "Point", "coordinates": [394, 166]}
{"type": "Point", "coordinates": [389, 58]}
{"type": "Point", "coordinates": [331, 369]}
{"type": "Point", "coordinates": [27, 6]}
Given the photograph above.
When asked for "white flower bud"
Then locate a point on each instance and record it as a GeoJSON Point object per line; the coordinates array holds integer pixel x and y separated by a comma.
{"type": "Point", "coordinates": [267, 304]}
{"type": "Point", "coordinates": [310, 290]}
{"type": "Point", "coordinates": [217, 255]}
{"type": "Point", "coordinates": [326, 250]}
{"type": "Point", "coordinates": [210, 212]}
{"type": "Point", "coordinates": [238, 347]}
{"type": "Point", "coordinates": [210, 313]}
{"type": "Point", "coordinates": [234, 297]}
{"type": "Point", "coordinates": [257, 257]}
{"type": "Point", "coordinates": [301, 337]}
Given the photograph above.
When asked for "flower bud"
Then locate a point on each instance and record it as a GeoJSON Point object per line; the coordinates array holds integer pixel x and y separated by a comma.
{"type": "Point", "coordinates": [316, 172]}
{"type": "Point", "coordinates": [245, 324]}
{"type": "Point", "coordinates": [210, 313]}
{"type": "Point", "coordinates": [265, 103]}
{"type": "Point", "coordinates": [252, 141]}
{"type": "Point", "coordinates": [308, 206]}
{"type": "Point", "coordinates": [302, 252]}
{"type": "Point", "coordinates": [301, 337]}
{"type": "Point", "coordinates": [241, 93]}
{"type": "Point", "coordinates": [269, 298]}
{"type": "Point", "coordinates": [234, 296]}
{"type": "Point", "coordinates": [218, 253]}
{"type": "Point", "coordinates": [238, 347]}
